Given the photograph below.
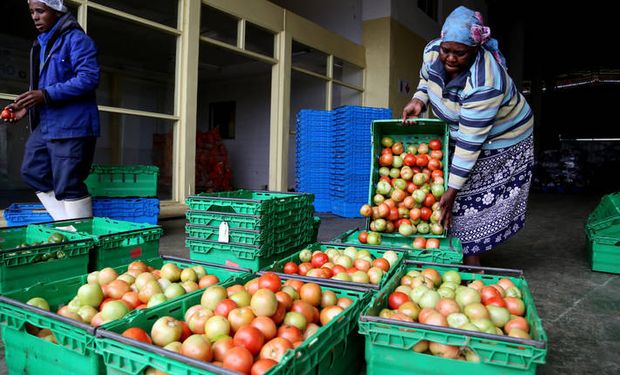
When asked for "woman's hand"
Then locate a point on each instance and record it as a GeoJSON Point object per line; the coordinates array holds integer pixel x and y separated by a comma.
{"type": "Point", "coordinates": [446, 203]}
{"type": "Point", "coordinates": [413, 109]}
{"type": "Point", "coordinates": [29, 99]}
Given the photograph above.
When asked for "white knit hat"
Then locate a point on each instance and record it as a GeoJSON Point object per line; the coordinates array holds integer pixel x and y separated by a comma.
{"type": "Point", "coordinates": [57, 5]}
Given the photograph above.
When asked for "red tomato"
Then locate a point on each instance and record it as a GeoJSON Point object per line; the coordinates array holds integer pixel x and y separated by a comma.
{"type": "Point", "coordinates": [436, 173]}
{"type": "Point", "coordinates": [381, 263]}
{"type": "Point", "coordinates": [138, 334]}
{"type": "Point", "coordinates": [262, 366]}
{"type": "Point", "coordinates": [250, 338]}
{"type": "Point", "coordinates": [290, 333]}
{"type": "Point", "coordinates": [422, 160]}
{"type": "Point", "coordinates": [436, 154]}
{"type": "Point", "coordinates": [328, 272]}
{"type": "Point", "coordinates": [238, 359]}
{"type": "Point", "coordinates": [393, 214]}
{"type": "Point", "coordinates": [425, 213]}
{"type": "Point", "coordinates": [338, 269]}
{"type": "Point", "coordinates": [270, 281]}
{"type": "Point", "coordinates": [224, 307]}
{"type": "Point", "coordinates": [396, 299]}
{"type": "Point", "coordinates": [291, 268]}
{"type": "Point", "coordinates": [432, 243]}
{"type": "Point", "coordinates": [275, 349]}
{"type": "Point", "coordinates": [186, 331]}
{"type": "Point", "coordinates": [419, 243]}
{"type": "Point", "coordinates": [429, 200]}
{"type": "Point", "coordinates": [319, 259]}
{"type": "Point", "coordinates": [434, 164]}
{"type": "Point", "coordinates": [295, 284]}
{"type": "Point", "coordinates": [131, 299]}
{"type": "Point", "coordinates": [410, 160]}
{"type": "Point", "coordinates": [362, 237]}
{"type": "Point", "coordinates": [304, 268]}
{"type": "Point", "coordinates": [386, 160]}
{"type": "Point", "coordinates": [434, 144]}
{"type": "Point", "coordinates": [497, 301]}
{"type": "Point", "coordinates": [489, 292]}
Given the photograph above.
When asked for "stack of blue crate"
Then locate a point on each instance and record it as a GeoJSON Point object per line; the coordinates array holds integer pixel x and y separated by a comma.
{"type": "Point", "coordinates": [314, 133]}
{"type": "Point", "coordinates": [351, 153]}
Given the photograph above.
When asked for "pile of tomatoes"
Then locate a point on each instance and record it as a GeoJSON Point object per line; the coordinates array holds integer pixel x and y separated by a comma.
{"type": "Point", "coordinates": [428, 297]}
{"type": "Point", "coordinates": [348, 264]}
{"type": "Point", "coordinates": [108, 296]}
{"type": "Point", "coordinates": [246, 328]}
{"type": "Point", "coordinates": [410, 186]}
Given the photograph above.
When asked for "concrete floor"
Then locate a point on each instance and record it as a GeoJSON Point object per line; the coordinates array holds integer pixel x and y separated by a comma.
{"type": "Point", "coordinates": [579, 307]}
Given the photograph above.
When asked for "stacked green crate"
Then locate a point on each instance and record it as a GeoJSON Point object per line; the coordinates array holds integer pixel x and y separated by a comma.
{"type": "Point", "coordinates": [74, 352]}
{"type": "Point", "coordinates": [321, 354]}
{"type": "Point", "coordinates": [450, 249]}
{"type": "Point", "coordinates": [390, 343]}
{"type": "Point", "coordinates": [33, 254]}
{"type": "Point", "coordinates": [246, 228]}
{"type": "Point", "coordinates": [603, 235]}
{"type": "Point", "coordinates": [117, 242]}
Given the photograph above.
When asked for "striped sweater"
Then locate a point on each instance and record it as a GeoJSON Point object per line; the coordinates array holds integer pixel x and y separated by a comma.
{"type": "Point", "coordinates": [482, 107]}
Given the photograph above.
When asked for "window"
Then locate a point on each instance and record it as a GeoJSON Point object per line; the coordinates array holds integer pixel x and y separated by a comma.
{"type": "Point", "coordinates": [218, 25]}
{"type": "Point", "coordinates": [429, 7]}
{"type": "Point", "coordinates": [161, 11]}
{"type": "Point", "coordinates": [307, 58]}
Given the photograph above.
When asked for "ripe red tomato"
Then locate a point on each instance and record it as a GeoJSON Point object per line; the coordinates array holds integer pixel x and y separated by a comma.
{"type": "Point", "coordinates": [270, 281]}
{"type": "Point", "coordinates": [362, 237]}
{"type": "Point", "coordinates": [429, 200]}
{"type": "Point", "coordinates": [489, 292]}
{"type": "Point", "coordinates": [381, 263]}
{"type": "Point", "coordinates": [410, 160]}
{"type": "Point", "coordinates": [238, 359]}
{"type": "Point", "coordinates": [422, 160]}
{"type": "Point", "coordinates": [138, 334]}
{"type": "Point", "coordinates": [250, 338]}
{"type": "Point", "coordinates": [386, 160]}
{"type": "Point", "coordinates": [262, 366]}
{"type": "Point", "coordinates": [291, 333]}
{"type": "Point", "coordinates": [393, 215]}
{"type": "Point", "coordinates": [338, 269]}
{"type": "Point", "coordinates": [224, 307]}
{"type": "Point", "coordinates": [291, 268]}
{"type": "Point", "coordinates": [436, 154]}
{"type": "Point", "coordinates": [396, 299]}
{"type": "Point", "coordinates": [497, 301]}
{"type": "Point", "coordinates": [436, 173]}
{"type": "Point", "coordinates": [434, 144]}
{"type": "Point", "coordinates": [275, 349]}
{"type": "Point", "coordinates": [434, 164]}
{"type": "Point", "coordinates": [425, 213]}
{"type": "Point", "coordinates": [319, 259]}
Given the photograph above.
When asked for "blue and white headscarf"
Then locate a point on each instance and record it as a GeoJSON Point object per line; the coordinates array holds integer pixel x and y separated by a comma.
{"type": "Point", "coordinates": [466, 26]}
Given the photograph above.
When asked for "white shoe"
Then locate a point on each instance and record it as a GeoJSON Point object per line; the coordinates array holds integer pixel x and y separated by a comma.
{"type": "Point", "coordinates": [80, 208]}
{"type": "Point", "coordinates": [54, 207]}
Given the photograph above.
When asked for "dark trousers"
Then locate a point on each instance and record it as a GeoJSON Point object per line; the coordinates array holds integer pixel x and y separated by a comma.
{"type": "Point", "coordinates": [60, 165]}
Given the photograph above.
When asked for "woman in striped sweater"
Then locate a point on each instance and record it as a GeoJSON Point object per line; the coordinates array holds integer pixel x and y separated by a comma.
{"type": "Point", "coordinates": [465, 81]}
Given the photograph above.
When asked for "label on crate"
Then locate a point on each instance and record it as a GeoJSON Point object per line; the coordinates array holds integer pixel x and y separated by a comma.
{"type": "Point", "coordinates": [223, 235]}
{"type": "Point", "coordinates": [69, 228]}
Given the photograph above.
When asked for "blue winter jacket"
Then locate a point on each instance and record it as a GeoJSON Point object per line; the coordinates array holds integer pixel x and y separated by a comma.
{"type": "Point", "coordinates": [68, 77]}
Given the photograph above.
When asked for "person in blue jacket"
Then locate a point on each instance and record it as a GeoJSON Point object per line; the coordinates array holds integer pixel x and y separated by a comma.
{"type": "Point", "coordinates": [61, 104]}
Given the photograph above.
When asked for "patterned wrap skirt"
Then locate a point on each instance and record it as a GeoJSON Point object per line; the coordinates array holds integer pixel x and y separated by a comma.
{"type": "Point", "coordinates": [490, 207]}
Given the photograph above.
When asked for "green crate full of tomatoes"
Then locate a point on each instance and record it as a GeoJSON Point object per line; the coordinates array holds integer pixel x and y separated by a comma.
{"type": "Point", "coordinates": [32, 254]}
{"type": "Point", "coordinates": [454, 320]}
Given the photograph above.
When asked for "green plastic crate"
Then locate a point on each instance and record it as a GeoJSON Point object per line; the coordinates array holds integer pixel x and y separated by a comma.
{"type": "Point", "coordinates": [420, 130]}
{"type": "Point", "coordinates": [234, 221]}
{"type": "Point", "coordinates": [389, 342]}
{"type": "Point", "coordinates": [249, 202]}
{"type": "Point", "coordinates": [604, 251]}
{"type": "Point", "coordinates": [450, 249]}
{"type": "Point", "coordinates": [75, 353]}
{"type": "Point", "coordinates": [233, 254]}
{"type": "Point", "coordinates": [278, 267]}
{"type": "Point", "coordinates": [117, 242]}
{"type": "Point", "coordinates": [123, 181]}
{"type": "Point", "coordinates": [24, 266]}
{"type": "Point", "coordinates": [128, 356]}
{"type": "Point", "coordinates": [606, 216]}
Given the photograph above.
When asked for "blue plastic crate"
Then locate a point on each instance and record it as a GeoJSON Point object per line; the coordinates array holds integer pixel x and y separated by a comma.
{"type": "Point", "coordinates": [346, 209]}
{"type": "Point", "coordinates": [138, 210]}
{"type": "Point", "coordinates": [25, 213]}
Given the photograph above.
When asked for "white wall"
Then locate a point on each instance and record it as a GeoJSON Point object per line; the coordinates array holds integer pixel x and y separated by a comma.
{"type": "Point", "coordinates": [342, 17]}
{"type": "Point", "coordinates": [248, 153]}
